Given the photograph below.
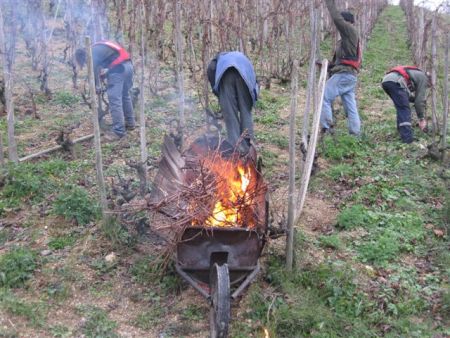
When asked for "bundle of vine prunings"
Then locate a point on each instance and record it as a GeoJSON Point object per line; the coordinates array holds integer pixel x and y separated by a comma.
{"type": "Point", "coordinates": [209, 185]}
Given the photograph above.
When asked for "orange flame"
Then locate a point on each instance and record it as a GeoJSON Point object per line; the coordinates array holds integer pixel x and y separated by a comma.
{"type": "Point", "coordinates": [235, 185]}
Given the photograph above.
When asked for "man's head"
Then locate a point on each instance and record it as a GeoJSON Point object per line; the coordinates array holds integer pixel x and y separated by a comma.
{"type": "Point", "coordinates": [81, 56]}
{"type": "Point", "coordinates": [348, 17]}
{"type": "Point", "coordinates": [429, 79]}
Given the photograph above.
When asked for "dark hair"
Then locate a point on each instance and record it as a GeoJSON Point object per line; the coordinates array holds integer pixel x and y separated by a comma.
{"type": "Point", "coordinates": [81, 56]}
{"type": "Point", "coordinates": [348, 17]}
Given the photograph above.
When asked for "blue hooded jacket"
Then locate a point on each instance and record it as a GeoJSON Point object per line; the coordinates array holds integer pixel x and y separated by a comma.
{"type": "Point", "coordinates": [243, 66]}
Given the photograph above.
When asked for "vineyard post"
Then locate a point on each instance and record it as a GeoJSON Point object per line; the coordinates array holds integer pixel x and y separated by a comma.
{"type": "Point", "coordinates": [291, 193]}
{"type": "Point", "coordinates": [8, 58]}
{"type": "Point", "coordinates": [142, 131]}
{"type": "Point", "coordinates": [179, 56]}
{"type": "Point", "coordinates": [433, 78]}
{"type": "Point", "coordinates": [444, 146]}
{"type": "Point", "coordinates": [98, 148]}
{"type": "Point", "coordinates": [311, 74]}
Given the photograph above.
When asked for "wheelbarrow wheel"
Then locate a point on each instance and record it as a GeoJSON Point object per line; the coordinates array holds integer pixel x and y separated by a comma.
{"type": "Point", "coordinates": [220, 300]}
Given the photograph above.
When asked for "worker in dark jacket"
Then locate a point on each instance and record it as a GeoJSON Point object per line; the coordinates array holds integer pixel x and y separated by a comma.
{"type": "Point", "coordinates": [345, 66]}
{"type": "Point", "coordinates": [113, 62]}
{"type": "Point", "coordinates": [406, 84]}
{"type": "Point", "coordinates": [233, 80]}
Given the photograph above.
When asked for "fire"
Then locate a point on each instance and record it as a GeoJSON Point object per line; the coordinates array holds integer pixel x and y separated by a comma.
{"type": "Point", "coordinates": [235, 185]}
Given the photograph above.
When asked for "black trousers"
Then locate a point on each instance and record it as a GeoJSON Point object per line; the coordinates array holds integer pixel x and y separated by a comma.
{"type": "Point", "coordinates": [400, 98]}
{"type": "Point", "coordinates": [236, 105]}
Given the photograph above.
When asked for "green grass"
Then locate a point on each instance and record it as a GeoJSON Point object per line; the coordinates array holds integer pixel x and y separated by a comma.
{"type": "Point", "coordinates": [268, 108]}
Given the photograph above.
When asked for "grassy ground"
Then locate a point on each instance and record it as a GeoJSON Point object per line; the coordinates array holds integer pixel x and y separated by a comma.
{"type": "Point", "coordinates": [372, 248]}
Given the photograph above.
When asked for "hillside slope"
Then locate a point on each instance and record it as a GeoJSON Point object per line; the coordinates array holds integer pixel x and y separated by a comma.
{"type": "Point", "coordinates": [372, 253]}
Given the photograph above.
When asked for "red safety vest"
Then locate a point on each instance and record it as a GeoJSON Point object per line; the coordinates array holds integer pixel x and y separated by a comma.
{"type": "Point", "coordinates": [354, 61]}
{"type": "Point", "coordinates": [403, 71]}
{"type": "Point", "coordinates": [123, 54]}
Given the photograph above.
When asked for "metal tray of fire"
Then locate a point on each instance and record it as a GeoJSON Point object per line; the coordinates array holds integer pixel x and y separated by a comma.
{"type": "Point", "coordinates": [218, 256]}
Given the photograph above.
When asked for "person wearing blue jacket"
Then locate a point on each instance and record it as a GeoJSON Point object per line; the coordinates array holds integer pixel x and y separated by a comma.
{"type": "Point", "coordinates": [233, 81]}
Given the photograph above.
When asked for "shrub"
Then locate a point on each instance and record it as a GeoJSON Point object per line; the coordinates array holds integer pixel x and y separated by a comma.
{"type": "Point", "coordinates": [16, 267]}
{"type": "Point", "coordinates": [75, 204]}
{"type": "Point", "coordinates": [29, 181]}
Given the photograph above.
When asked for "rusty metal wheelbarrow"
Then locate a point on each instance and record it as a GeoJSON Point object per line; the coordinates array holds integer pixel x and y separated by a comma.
{"type": "Point", "coordinates": [219, 263]}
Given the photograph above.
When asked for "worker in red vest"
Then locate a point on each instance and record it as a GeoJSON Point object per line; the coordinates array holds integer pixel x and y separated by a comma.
{"type": "Point", "coordinates": [112, 61]}
{"type": "Point", "coordinates": [343, 70]}
{"type": "Point", "coordinates": [405, 84]}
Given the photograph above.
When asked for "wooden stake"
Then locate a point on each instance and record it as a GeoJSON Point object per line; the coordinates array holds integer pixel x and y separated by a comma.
{"type": "Point", "coordinates": [433, 78]}
{"type": "Point", "coordinates": [180, 76]}
{"type": "Point", "coordinates": [291, 196]}
{"type": "Point", "coordinates": [8, 56]}
{"type": "Point", "coordinates": [445, 93]}
{"type": "Point", "coordinates": [2, 156]}
{"type": "Point", "coordinates": [98, 148]}
{"type": "Point", "coordinates": [311, 74]}
{"type": "Point", "coordinates": [142, 131]}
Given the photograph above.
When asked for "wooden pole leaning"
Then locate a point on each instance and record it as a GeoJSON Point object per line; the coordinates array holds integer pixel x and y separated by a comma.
{"type": "Point", "coordinates": [306, 174]}
{"type": "Point", "coordinates": [95, 122]}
